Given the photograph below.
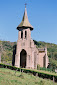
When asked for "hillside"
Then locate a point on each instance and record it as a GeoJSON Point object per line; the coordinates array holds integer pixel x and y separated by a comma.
{"type": "Point", "coordinates": [51, 51]}
{"type": "Point", "coordinates": [51, 48]}
{"type": "Point", "coordinates": [8, 77]}
{"type": "Point", "coordinates": [6, 50]}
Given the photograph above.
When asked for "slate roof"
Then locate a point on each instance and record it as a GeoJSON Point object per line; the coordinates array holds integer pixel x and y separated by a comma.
{"type": "Point", "coordinates": [25, 22]}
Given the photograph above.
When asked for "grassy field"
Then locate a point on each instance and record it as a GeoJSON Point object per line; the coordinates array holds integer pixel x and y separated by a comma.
{"type": "Point", "coordinates": [8, 77]}
{"type": "Point", "coordinates": [47, 72]}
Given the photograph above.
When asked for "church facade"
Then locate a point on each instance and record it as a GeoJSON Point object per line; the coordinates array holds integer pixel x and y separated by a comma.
{"type": "Point", "coordinates": [27, 54]}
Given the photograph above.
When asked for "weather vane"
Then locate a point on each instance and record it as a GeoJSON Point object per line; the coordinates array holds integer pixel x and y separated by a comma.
{"type": "Point", "coordinates": [25, 5]}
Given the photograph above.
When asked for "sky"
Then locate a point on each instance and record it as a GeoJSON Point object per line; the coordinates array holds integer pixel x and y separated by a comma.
{"type": "Point", "coordinates": [42, 15]}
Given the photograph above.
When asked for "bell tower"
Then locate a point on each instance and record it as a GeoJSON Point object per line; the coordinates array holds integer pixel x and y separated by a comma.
{"type": "Point", "coordinates": [23, 42]}
{"type": "Point", "coordinates": [27, 54]}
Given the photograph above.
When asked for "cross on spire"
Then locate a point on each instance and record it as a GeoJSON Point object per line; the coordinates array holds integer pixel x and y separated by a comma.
{"type": "Point", "coordinates": [25, 5]}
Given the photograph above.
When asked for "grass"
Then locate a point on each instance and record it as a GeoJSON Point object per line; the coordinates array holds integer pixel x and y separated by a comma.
{"type": "Point", "coordinates": [47, 72]}
{"type": "Point", "coordinates": [8, 77]}
{"type": "Point", "coordinates": [43, 71]}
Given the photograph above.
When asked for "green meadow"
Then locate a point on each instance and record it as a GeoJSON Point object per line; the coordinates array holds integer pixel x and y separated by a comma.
{"type": "Point", "coordinates": [11, 77]}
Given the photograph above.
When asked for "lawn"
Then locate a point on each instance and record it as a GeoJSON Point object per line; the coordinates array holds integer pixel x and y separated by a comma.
{"type": "Point", "coordinates": [9, 77]}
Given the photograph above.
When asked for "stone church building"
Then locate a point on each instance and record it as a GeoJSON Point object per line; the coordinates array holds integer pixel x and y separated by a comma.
{"type": "Point", "coordinates": [27, 54]}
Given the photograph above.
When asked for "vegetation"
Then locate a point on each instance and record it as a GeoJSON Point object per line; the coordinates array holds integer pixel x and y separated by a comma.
{"type": "Point", "coordinates": [40, 73]}
{"type": "Point", "coordinates": [8, 77]}
{"type": "Point", "coordinates": [51, 51]}
{"type": "Point", "coordinates": [7, 47]}
{"type": "Point", "coordinates": [51, 48]}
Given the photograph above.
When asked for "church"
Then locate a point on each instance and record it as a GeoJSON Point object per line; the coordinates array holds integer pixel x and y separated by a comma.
{"type": "Point", "coordinates": [27, 54]}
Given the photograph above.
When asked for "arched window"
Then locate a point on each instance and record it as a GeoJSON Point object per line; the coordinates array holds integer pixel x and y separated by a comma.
{"type": "Point", "coordinates": [25, 34]}
{"type": "Point", "coordinates": [21, 34]}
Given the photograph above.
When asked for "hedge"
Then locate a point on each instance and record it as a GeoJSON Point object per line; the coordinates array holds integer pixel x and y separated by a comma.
{"type": "Point", "coordinates": [34, 72]}
{"type": "Point", "coordinates": [46, 69]}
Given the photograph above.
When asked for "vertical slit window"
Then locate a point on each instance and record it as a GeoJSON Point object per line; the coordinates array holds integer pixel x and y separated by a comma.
{"type": "Point", "coordinates": [21, 34]}
{"type": "Point", "coordinates": [25, 34]}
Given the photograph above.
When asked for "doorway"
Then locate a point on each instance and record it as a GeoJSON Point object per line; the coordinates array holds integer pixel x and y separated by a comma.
{"type": "Point", "coordinates": [23, 56]}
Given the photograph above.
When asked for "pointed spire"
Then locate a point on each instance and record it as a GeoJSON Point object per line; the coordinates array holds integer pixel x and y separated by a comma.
{"type": "Point", "coordinates": [25, 22]}
{"type": "Point", "coordinates": [25, 5]}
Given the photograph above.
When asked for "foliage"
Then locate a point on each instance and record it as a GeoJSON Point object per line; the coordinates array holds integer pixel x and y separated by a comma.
{"type": "Point", "coordinates": [53, 64]}
{"type": "Point", "coordinates": [38, 67]}
{"type": "Point", "coordinates": [7, 77]}
{"type": "Point", "coordinates": [52, 53]}
{"type": "Point", "coordinates": [8, 51]}
{"type": "Point", "coordinates": [46, 69]}
{"type": "Point", "coordinates": [43, 74]}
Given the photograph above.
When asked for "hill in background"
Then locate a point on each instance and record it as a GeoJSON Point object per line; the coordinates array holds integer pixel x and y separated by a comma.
{"type": "Point", "coordinates": [6, 50]}
{"type": "Point", "coordinates": [7, 47]}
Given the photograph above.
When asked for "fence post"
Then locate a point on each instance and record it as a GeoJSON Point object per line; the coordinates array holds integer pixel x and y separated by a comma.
{"type": "Point", "coordinates": [36, 74]}
{"type": "Point", "coordinates": [53, 80]}
{"type": "Point", "coordinates": [15, 71]}
{"type": "Point", "coordinates": [20, 70]}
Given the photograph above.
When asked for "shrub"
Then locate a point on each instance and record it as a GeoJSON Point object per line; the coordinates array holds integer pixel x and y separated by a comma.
{"type": "Point", "coordinates": [46, 69]}
{"type": "Point", "coordinates": [38, 67]}
{"type": "Point", "coordinates": [40, 74]}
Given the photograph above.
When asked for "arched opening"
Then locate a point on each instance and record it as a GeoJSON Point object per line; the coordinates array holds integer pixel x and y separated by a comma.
{"type": "Point", "coordinates": [21, 34]}
{"type": "Point", "coordinates": [25, 34]}
{"type": "Point", "coordinates": [23, 56]}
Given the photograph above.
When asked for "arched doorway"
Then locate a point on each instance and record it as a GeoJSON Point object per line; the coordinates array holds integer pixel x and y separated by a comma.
{"type": "Point", "coordinates": [23, 56]}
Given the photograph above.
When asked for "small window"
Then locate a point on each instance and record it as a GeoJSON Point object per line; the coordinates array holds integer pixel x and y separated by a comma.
{"type": "Point", "coordinates": [25, 34]}
{"type": "Point", "coordinates": [21, 34]}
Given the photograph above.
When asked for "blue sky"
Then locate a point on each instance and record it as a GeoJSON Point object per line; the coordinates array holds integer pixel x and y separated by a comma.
{"type": "Point", "coordinates": [42, 15]}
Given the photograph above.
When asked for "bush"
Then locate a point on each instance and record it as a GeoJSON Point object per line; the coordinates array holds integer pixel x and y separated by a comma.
{"type": "Point", "coordinates": [40, 74]}
{"type": "Point", "coordinates": [46, 69]}
{"type": "Point", "coordinates": [38, 67]}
